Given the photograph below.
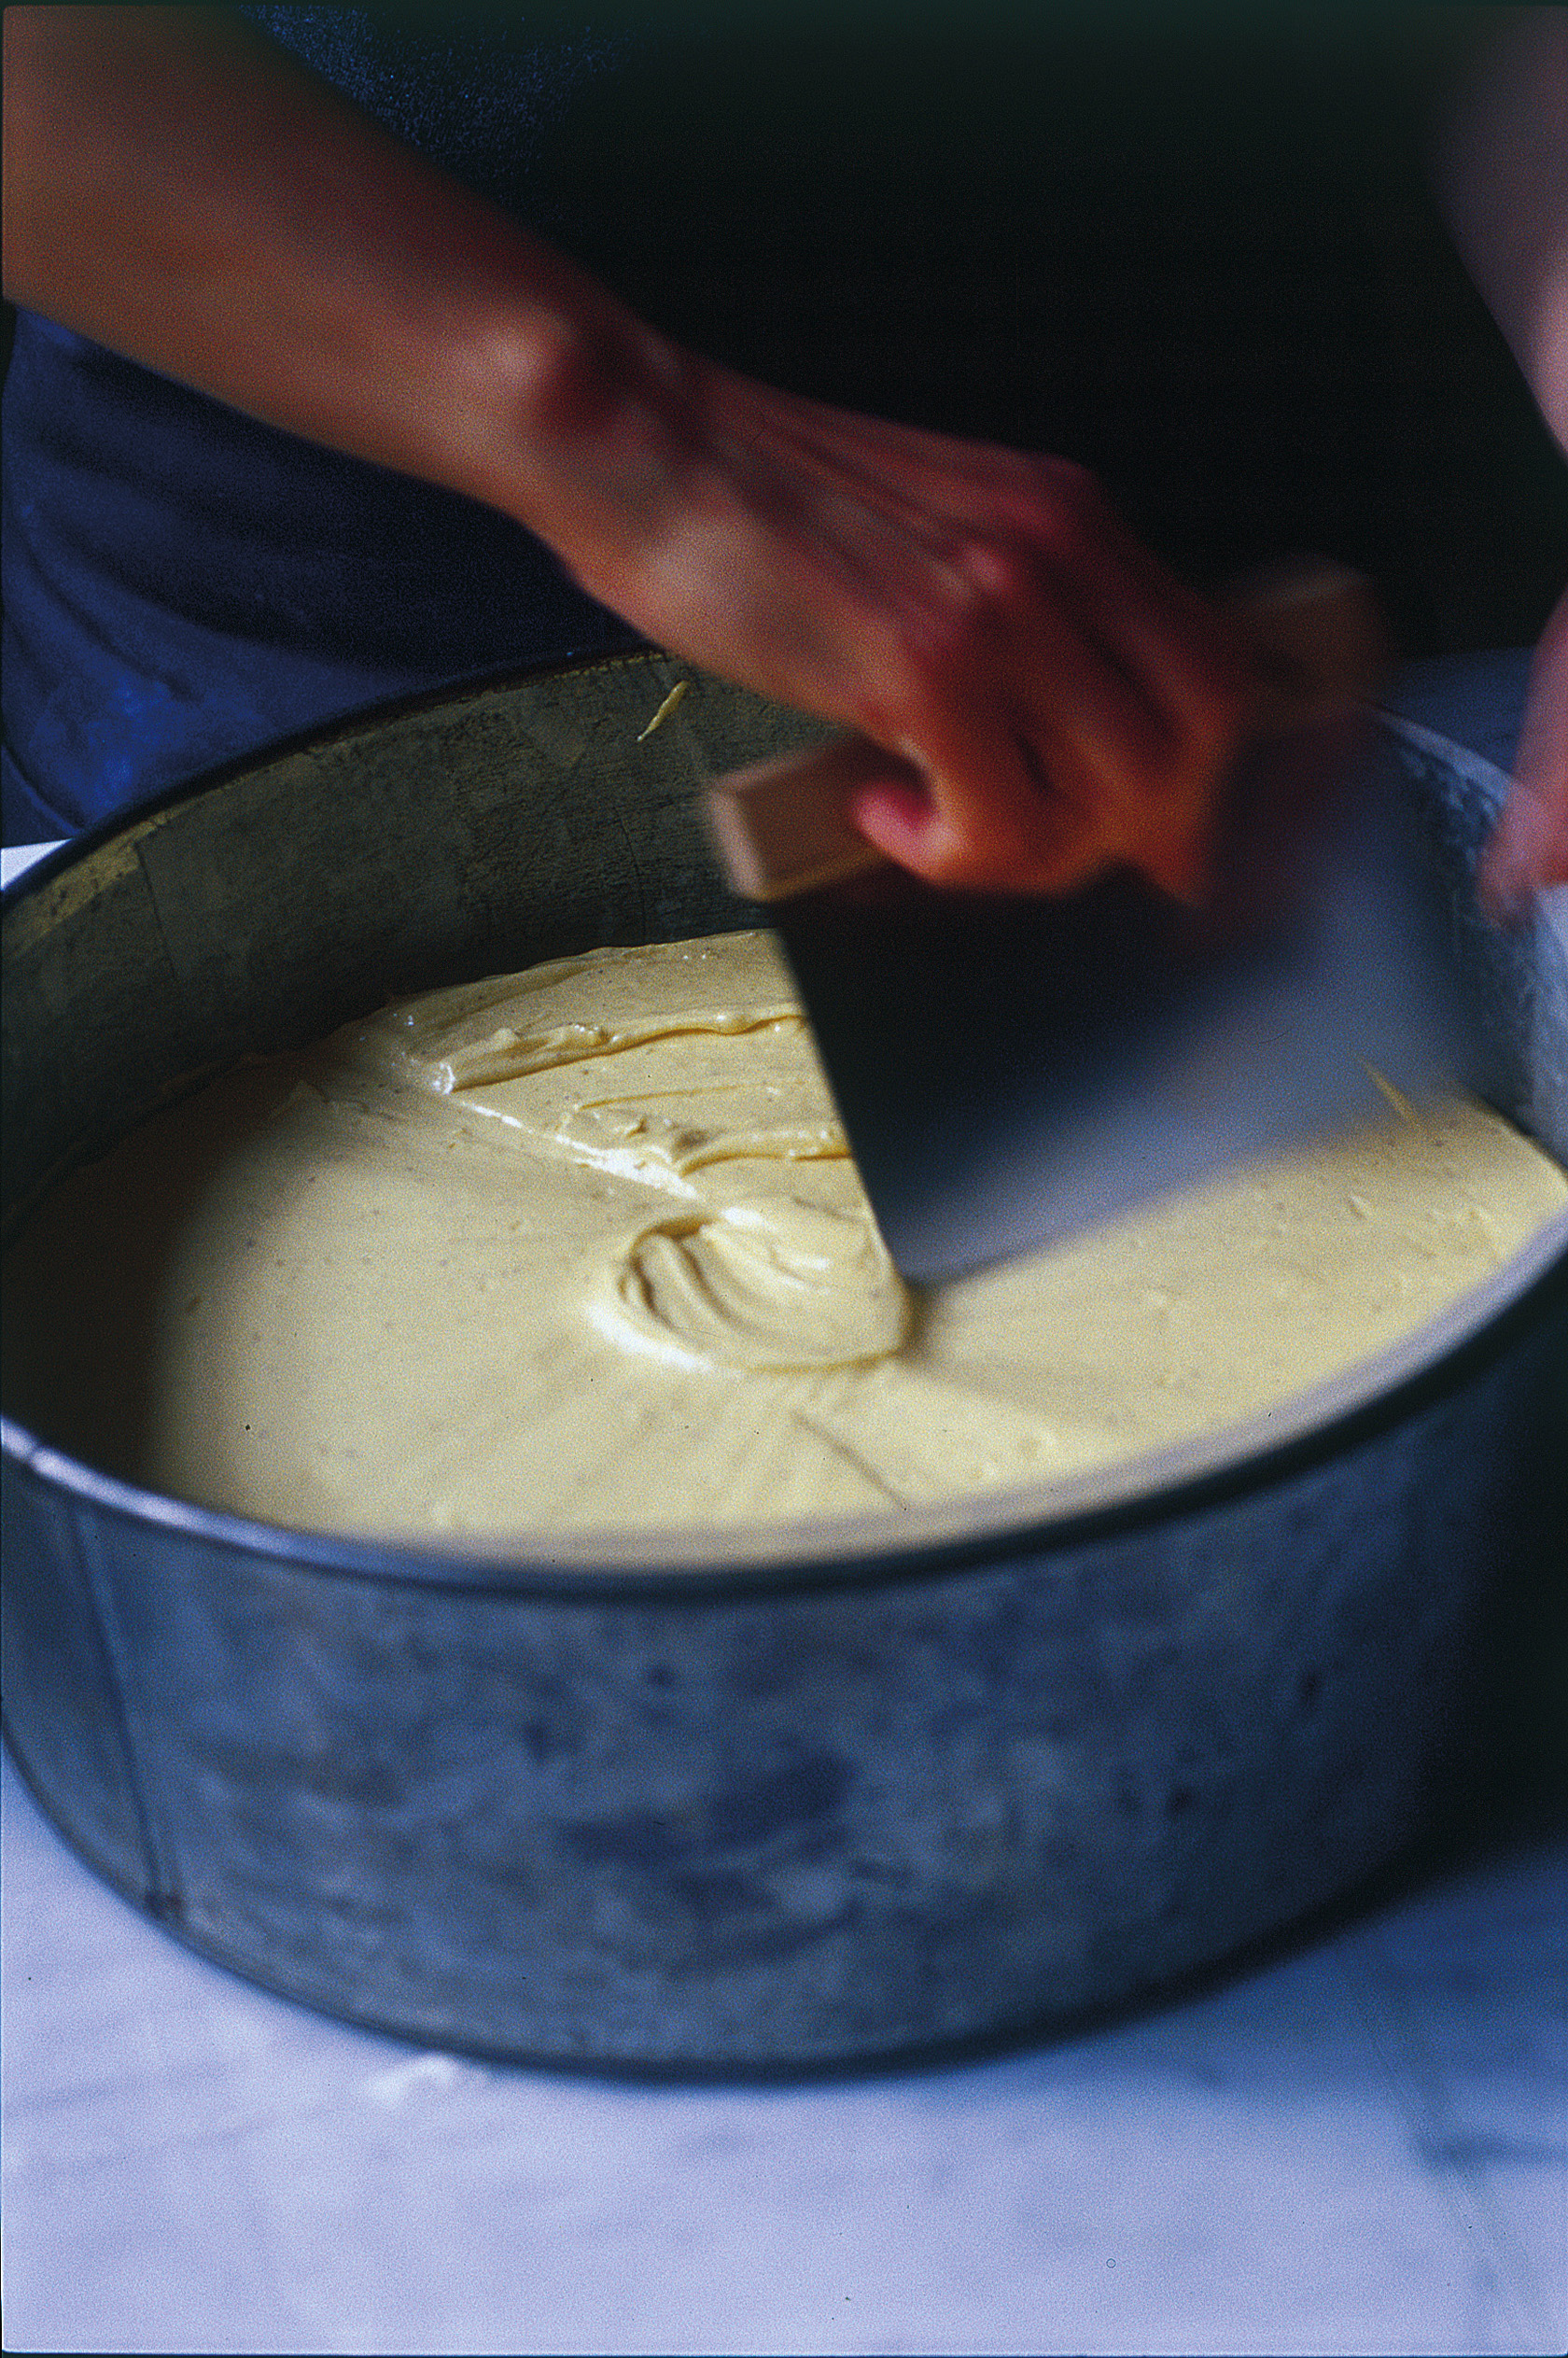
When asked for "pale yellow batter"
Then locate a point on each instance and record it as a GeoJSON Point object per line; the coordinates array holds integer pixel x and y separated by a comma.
{"type": "Point", "coordinates": [583, 1247]}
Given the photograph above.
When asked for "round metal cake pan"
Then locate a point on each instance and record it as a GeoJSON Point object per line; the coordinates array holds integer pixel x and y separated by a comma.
{"type": "Point", "coordinates": [722, 1803]}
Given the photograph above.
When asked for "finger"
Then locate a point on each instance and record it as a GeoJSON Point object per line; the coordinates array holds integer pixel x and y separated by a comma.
{"type": "Point", "coordinates": [1528, 848]}
{"type": "Point", "coordinates": [1088, 728]}
{"type": "Point", "coordinates": [1163, 746]}
{"type": "Point", "coordinates": [979, 800]}
{"type": "Point", "coordinates": [1529, 845]}
{"type": "Point", "coordinates": [1042, 756]}
{"type": "Point", "coordinates": [908, 827]}
{"type": "Point", "coordinates": [1190, 661]}
{"type": "Point", "coordinates": [1035, 514]}
{"type": "Point", "coordinates": [1012, 640]}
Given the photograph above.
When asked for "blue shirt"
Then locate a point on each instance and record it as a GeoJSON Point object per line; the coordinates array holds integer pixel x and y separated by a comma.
{"type": "Point", "coordinates": [182, 585]}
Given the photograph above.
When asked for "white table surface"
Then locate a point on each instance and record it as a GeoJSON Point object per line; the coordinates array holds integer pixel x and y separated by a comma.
{"type": "Point", "coordinates": [1357, 2147]}
{"type": "Point", "coordinates": [1360, 2145]}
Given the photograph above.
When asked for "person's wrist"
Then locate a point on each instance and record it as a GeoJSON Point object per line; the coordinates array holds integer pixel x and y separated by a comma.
{"type": "Point", "coordinates": [587, 421]}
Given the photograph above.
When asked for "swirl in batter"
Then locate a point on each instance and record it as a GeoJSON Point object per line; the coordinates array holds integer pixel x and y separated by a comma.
{"type": "Point", "coordinates": [584, 1248]}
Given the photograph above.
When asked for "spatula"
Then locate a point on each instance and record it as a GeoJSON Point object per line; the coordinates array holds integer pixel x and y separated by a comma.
{"type": "Point", "coordinates": [1010, 1070]}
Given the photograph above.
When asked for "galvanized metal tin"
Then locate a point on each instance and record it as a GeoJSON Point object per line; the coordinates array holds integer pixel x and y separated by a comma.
{"type": "Point", "coordinates": [776, 1801]}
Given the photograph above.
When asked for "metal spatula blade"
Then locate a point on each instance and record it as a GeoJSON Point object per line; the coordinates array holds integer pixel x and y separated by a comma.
{"type": "Point", "coordinates": [1009, 1071]}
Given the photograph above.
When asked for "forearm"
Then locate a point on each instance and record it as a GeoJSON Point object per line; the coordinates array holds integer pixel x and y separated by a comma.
{"type": "Point", "coordinates": [178, 189]}
{"type": "Point", "coordinates": [1506, 182]}
{"type": "Point", "coordinates": [1504, 175]}
{"type": "Point", "coordinates": [1050, 700]}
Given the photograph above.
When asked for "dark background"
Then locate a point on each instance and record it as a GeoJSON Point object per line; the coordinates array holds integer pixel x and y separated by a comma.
{"type": "Point", "coordinates": [1194, 247]}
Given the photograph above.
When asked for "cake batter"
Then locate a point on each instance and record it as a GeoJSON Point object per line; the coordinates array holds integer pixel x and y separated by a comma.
{"type": "Point", "coordinates": [584, 1247]}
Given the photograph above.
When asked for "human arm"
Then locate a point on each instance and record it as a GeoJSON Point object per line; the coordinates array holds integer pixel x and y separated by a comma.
{"type": "Point", "coordinates": [1506, 180]}
{"type": "Point", "coordinates": [1052, 700]}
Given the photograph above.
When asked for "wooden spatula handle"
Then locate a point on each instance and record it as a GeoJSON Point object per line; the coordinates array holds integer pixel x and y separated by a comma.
{"type": "Point", "coordinates": [783, 827]}
{"type": "Point", "coordinates": [1319, 647]}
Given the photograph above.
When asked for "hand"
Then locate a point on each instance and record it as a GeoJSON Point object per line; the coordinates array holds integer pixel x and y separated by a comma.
{"type": "Point", "coordinates": [1529, 846]}
{"type": "Point", "coordinates": [1052, 701]}
{"type": "Point", "coordinates": [1505, 178]}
